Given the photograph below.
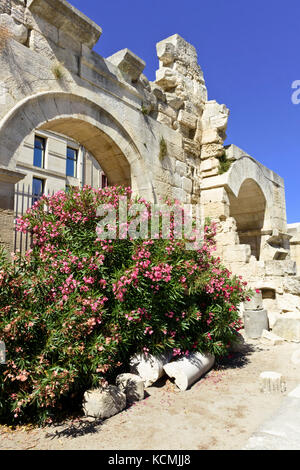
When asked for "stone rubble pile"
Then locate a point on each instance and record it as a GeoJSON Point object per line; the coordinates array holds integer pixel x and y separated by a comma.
{"type": "Point", "coordinates": [104, 402]}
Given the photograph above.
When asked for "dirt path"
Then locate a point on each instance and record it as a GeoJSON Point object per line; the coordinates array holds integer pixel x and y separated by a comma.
{"type": "Point", "coordinates": [221, 411]}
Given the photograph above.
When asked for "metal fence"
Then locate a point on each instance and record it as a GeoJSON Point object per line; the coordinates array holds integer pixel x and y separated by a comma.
{"type": "Point", "coordinates": [24, 199]}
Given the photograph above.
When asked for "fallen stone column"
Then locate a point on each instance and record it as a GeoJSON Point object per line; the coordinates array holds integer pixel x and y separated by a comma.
{"type": "Point", "coordinates": [149, 368]}
{"type": "Point", "coordinates": [132, 385]}
{"type": "Point", "coordinates": [103, 403]}
{"type": "Point", "coordinates": [187, 370]}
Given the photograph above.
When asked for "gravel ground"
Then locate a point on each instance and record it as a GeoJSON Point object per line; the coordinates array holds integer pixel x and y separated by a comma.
{"type": "Point", "coordinates": [221, 411]}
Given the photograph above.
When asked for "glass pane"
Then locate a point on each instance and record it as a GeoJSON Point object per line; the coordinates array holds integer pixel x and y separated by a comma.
{"type": "Point", "coordinates": [71, 168]}
{"type": "Point", "coordinates": [39, 149]}
{"type": "Point", "coordinates": [104, 181]}
{"type": "Point", "coordinates": [37, 189]}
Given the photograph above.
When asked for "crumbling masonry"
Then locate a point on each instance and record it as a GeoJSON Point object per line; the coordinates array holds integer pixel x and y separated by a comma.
{"type": "Point", "coordinates": [162, 137]}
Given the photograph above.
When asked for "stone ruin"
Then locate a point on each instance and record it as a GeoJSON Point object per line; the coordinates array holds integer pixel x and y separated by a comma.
{"type": "Point", "coordinates": [164, 138]}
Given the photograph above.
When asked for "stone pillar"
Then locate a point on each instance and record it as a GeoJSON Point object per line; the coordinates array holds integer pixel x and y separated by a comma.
{"type": "Point", "coordinates": [8, 179]}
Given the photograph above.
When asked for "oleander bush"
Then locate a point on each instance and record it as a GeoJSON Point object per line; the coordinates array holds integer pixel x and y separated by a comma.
{"type": "Point", "coordinates": [75, 307]}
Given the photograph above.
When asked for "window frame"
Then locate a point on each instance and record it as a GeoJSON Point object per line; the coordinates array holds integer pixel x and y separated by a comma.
{"type": "Point", "coordinates": [44, 141]}
{"type": "Point", "coordinates": [35, 196]}
{"type": "Point", "coordinates": [75, 160]}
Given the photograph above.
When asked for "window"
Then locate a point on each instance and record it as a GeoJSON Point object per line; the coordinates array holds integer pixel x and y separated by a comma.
{"type": "Point", "coordinates": [72, 156]}
{"type": "Point", "coordinates": [37, 189]}
{"type": "Point", "coordinates": [39, 152]}
{"type": "Point", "coordinates": [104, 181]}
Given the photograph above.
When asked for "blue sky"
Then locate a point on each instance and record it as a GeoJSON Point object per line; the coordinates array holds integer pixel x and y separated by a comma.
{"type": "Point", "coordinates": [249, 52]}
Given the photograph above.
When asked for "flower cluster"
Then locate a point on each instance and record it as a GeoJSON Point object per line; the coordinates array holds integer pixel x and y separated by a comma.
{"type": "Point", "coordinates": [74, 308]}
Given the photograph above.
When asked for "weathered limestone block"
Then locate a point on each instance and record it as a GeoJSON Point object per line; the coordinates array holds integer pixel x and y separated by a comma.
{"type": "Point", "coordinates": [46, 29]}
{"type": "Point", "coordinates": [288, 302]}
{"type": "Point", "coordinates": [191, 146]}
{"type": "Point", "coordinates": [166, 79]}
{"type": "Point", "coordinates": [129, 63]}
{"type": "Point", "coordinates": [211, 136]}
{"type": "Point", "coordinates": [48, 49]}
{"type": "Point", "coordinates": [179, 194]}
{"type": "Point", "coordinates": [272, 382]}
{"type": "Point", "coordinates": [270, 338]}
{"type": "Point", "coordinates": [176, 48]}
{"type": "Point", "coordinates": [68, 42]}
{"type": "Point", "coordinates": [17, 31]}
{"type": "Point", "coordinates": [273, 317]}
{"type": "Point", "coordinates": [215, 203]}
{"type": "Point", "coordinates": [209, 164]}
{"type": "Point", "coordinates": [255, 321]}
{"type": "Point", "coordinates": [187, 119]}
{"type": "Point", "coordinates": [227, 239]}
{"type": "Point", "coordinates": [68, 19]}
{"type": "Point", "coordinates": [103, 403]}
{"type": "Point", "coordinates": [167, 110]}
{"type": "Point", "coordinates": [158, 92]}
{"type": "Point", "coordinates": [149, 368]}
{"type": "Point", "coordinates": [165, 52]}
{"type": "Point", "coordinates": [212, 150]}
{"type": "Point", "coordinates": [181, 168]}
{"type": "Point", "coordinates": [132, 385]}
{"type": "Point", "coordinates": [292, 286]}
{"type": "Point", "coordinates": [213, 110]}
{"type": "Point", "coordinates": [280, 268]}
{"type": "Point", "coordinates": [255, 302]}
{"type": "Point", "coordinates": [174, 101]}
{"type": "Point", "coordinates": [200, 93]}
{"type": "Point", "coordinates": [234, 153]}
{"type": "Point", "coordinates": [238, 253]}
{"type": "Point", "coordinates": [164, 119]}
{"type": "Point", "coordinates": [145, 82]}
{"type": "Point", "coordinates": [288, 328]}
{"type": "Point", "coordinates": [214, 119]}
{"type": "Point", "coordinates": [187, 370]}
{"type": "Point", "coordinates": [187, 184]}
{"type": "Point", "coordinates": [220, 121]}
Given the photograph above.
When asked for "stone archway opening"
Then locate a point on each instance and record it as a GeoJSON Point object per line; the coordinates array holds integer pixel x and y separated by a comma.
{"type": "Point", "coordinates": [249, 209]}
{"type": "Point", "coordinates": [100, 145]}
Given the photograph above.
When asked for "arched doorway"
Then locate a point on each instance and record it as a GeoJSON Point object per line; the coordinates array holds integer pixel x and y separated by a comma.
{"type": "Point", "coordinates": [99, 144]}
{"type": "Point", "coordinates": [82, 120]}
{"type": "Point", "coordinates": [249, 209]}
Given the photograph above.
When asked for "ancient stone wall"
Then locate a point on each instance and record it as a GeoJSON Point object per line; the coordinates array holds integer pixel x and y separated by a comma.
{"type": "Point", "coordinates": [164, 138]}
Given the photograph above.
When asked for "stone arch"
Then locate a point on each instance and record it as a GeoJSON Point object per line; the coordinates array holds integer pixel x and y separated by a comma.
{"type": "Point", "coordinates": [248, 209]}
{"type": "Point", "coordinates": [82, 120]}
{"type": "Point", "coordinates": [248, 168]}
